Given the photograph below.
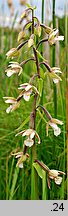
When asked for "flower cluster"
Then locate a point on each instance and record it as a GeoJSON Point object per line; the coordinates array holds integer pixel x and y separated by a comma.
{"type": "Point", "coordinates": [27, 89]}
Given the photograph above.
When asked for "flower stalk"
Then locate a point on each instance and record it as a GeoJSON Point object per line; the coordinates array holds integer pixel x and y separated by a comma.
{"type": "Point", "coordinates": [53, 64]}
{"type": "Point", "coordinates": [34, 176]}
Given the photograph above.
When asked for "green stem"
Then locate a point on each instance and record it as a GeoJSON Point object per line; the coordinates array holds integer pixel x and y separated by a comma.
{"type": "Point", "coordinates": [52, 194]}
{"type": "Point", "coordinates": [66, 47]}
{"type": "Point", "coordinates": [53, 64]}
{"type": "Point", "coordinates": [42, 19]}
{"type": "Point", "coordinates": [42, 96]}
{"type": "Point", "coordinates": [34, 175]}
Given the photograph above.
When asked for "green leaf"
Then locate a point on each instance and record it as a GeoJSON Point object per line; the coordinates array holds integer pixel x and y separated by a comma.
{"type": "Point", "coordinates": [14, 183]}
{"type": "Point", "coordinates": [44, 186]}
{"type": "Point", "coordinates": [42, 74]}
{"type": "Point", "coordinates": [23, 123]}
{"type": "Point", "coordinates": [28, 25]}
{"type": "Point", "coordinates": [38, 169]}
{"type": "Point", "coordinates": [40, 86]}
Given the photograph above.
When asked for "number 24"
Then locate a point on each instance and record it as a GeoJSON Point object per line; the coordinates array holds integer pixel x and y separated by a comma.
{"type": "Point", "coordinates": [57, 207]}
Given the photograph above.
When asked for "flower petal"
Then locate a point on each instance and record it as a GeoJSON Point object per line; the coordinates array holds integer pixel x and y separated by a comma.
{"type": "Point", "coordinates": [9, 109]}
{"type": "Point", "coordinates": [58, 180]}
{"type": "Point", "coordinates": [29, 142]}
{"type": "Point", "coordinates": [57, 121]}
{"type": "Point", "coordinates": [60, 38]}
{"type": "Point", "coordinates": [9, 72]}
{"type": "Point", "coordinates": [55, 80]}
{"type": "Point", "coordinates": [53, 174]}
{"type": "Point", "coordinates": [26, 96]}
{"type": "Point", "coordinates": [20, 165]}
{"type": "Point", "coordinates": [32, 134]}
{"type": "Point", "coordinates": [57, 131]}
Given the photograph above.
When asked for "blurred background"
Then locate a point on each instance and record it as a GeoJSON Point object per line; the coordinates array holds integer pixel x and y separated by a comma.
{"type": "Point", "coordinates": [13, 183]}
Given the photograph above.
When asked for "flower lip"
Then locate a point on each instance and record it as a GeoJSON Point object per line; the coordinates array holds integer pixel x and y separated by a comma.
{"type": "Point", "coordinates": [29, 142]}
{"type": "Point", "coordinates": [53, 123]}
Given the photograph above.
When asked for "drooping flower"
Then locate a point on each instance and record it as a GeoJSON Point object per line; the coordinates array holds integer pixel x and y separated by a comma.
{"type": "Point", "coordinates": [13, 68]}
{"type": "Point", "coordinates": [53, 74]}
{"type": "Point", "coordinates": [12, 53]}
{"type": "Point", "coordinates": [30, 133]}
{"type": "Point", "coordinates": [54, 174]}
{"type": "Point", "coordinates": [21, 35]}
{"type": "Point", "coordinates": [13, 104]}
{"type": "Point", "coordinates": [53, 123]}
{"type": "Point", "coordinates": [22, 158]}
{"type": "Point", "coordinates": [51, 174]}
{"type": "Point", "coordinates": [27, 90]}
{"type": "Point", "coordinates": [53, 37]}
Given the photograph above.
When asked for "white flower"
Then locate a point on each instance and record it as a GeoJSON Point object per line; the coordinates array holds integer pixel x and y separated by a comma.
{"type": "Point", "coordinates": [14, 104]}
{"type": "Point", "coordinates": [53, 74]}
{"type": "Point", "coordinates": [30, 133]}
{"type": "Point", "coordinates": [53, 174]}
{"type": "Point", "coordinates": [53, 123]}
{"type": "Point", "coordinates": [12, 53]}
{"type": "Point", "coordinates": [22, 158]}
{"type": "Point", "coordinates": [27, 90]}
{"type": "Point", "coordinates": [53, 37]}
{"type": "Point", "coordinates": [14, 68]}
{"type": "Point", "coordinates": [56, 129]}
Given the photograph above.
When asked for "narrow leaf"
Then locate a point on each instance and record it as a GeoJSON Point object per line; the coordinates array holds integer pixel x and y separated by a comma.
{"type": "Point", "coordinates": [38, 169]}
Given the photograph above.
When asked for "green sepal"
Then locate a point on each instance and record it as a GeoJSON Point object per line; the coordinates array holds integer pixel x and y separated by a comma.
{"type": "Point", "coordinates": [28, 25]}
